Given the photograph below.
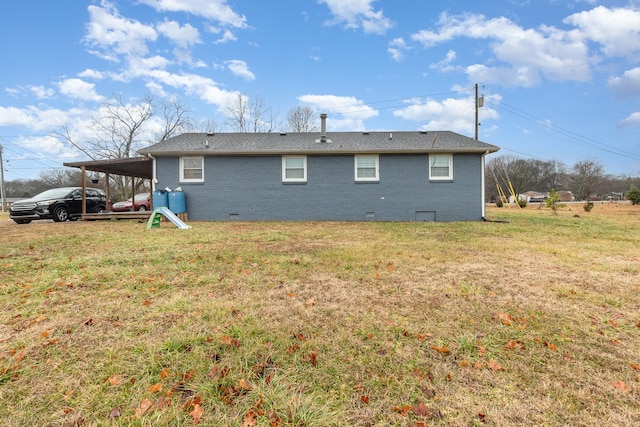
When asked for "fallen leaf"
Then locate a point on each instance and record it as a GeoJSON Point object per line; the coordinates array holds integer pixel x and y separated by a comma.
{"type": "Point", "coordinates": [514, 345]}
{"type": "Point", "coordinates": [196, 413]}
{"type": "Point", "coordinates": [312, 358]}
{"type": "Point", "coordinates": [155, 388]}
{"type": "Point", "coordinates": [365, 399]}
{"type": "Point", "coordinates": [420, 410]}
{"type": "Point", "coordinates": [635, 366]}
{"type": "Point", "coordinates": [404, 409]}
{"type": "Point", "coordinates": [143, 408]}
{"type": "Point", "coordinates": [620, 385]}
{"type": "Point", "coordinates": [505, 318]}
{"type": "Point", "coordinates": [232, 342]}
{"type": "Point", "coordinates": [165, 373]}
{"type": "Point", "coordinates": [249, 419]}
{"type": "Point", "coordinates": [115, 413]}
{"type": "Point", "coordinates": [243, 385]}
{"type": "Point", "coordinates": [115, 380]}
{"type": "Point", "coordinates": [494, 366]}
{"type": "Point", "coordinates": [443, 349]}
{"type": "Point", "coordinates": [163, 402]}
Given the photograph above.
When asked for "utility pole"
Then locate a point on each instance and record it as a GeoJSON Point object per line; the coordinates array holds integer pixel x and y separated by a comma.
{"type": "Point", "coordinates": [2, 190]}
{"type": "Point", "coordinates": [479, 104]}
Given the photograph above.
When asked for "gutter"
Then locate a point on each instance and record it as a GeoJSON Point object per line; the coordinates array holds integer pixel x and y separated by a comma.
{"type": "Point", "coordinates": [154, 180]}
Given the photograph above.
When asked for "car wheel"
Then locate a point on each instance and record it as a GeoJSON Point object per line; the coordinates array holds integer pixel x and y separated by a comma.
{"type": "Point", "coordinates": [142, 208]}
{"type": "Point", "coordinates": [22, 221]}
{"type": "Point", "coordinates": [61, 214]}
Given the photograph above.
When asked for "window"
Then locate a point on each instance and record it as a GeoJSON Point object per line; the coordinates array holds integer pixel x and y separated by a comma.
{"type": "Point", "coordinates": [441, 166]}
{"type": "Point", "coordinates": [192, 169]}
{"type": "Point", "coordinates": [294, 169]}
{"type": "Point", "coordinates": [366, 168]}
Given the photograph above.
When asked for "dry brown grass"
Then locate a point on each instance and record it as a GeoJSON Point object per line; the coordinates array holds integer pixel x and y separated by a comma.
{"type": "Point", "coordinates": [531, 322]}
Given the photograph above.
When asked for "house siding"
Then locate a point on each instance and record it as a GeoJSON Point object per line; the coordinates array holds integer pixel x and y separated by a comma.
{"type": "Point", "coordinates": [250, 188]}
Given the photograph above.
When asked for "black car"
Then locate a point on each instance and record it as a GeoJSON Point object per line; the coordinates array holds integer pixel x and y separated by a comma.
{"type": "Point", "coordinates": [58, 204]}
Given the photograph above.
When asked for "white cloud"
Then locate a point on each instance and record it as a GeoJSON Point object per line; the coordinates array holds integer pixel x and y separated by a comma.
{"type": "Point", "coordinates": [456, 114]}
{"type": "Point", "coordinates": [632, 120]}
{"type": "Point", "coordinates": [617, 29]}
{"type": "Point", "coordinates": [79, 89]}
{"type": "Point", "coordinates": [227, 36]}
{"type": "Point", "coordinates": [527, 54]}
{"type": "Point", "coordinates": [113, 35]}
{"type": "Point", "coordinates": [240, 68]}
{"type": "Point", "coordinates": [358, 13]}
{"type": "Point", "coordinates": [346, 113]}
{"type": "Point", "coordinates": [628, 84]}
{"type": "Point", "coordinates": [182, 35]}
{"type": "Point", "coordinates": [38, 119]}
{"type": "Point", "coordinates": [41, 92]}
{"type": "Point", "coordinates": [91, 74]}
{"type": "Point", "coordinates": [445, 64]}
{"type": "Point", "coordinates": [396, 48]}
{"type": "Point", "coordinates": [217, 10]}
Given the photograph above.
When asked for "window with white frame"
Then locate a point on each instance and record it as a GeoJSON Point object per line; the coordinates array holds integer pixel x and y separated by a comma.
{"type": "Point", "coordinates": [441, 166]}
{"type": "Point", "coordinates": [192, 169]}
{"type": "Point", "coordinates": [294, 169]}
{"type": "Point", "coordinates": [367, 168]}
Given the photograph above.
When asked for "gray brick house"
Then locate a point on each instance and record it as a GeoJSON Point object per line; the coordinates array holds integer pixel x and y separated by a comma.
{"type": "Point", "coordinates": [338, 176]}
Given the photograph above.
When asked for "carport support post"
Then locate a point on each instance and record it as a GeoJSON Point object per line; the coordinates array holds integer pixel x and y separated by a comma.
{"type": "Point", "coordinates": [106, 190]}
{"type": "Point", "coordinates": [84, 191]}
{"type": "Point", "coordinates": [133, 194]}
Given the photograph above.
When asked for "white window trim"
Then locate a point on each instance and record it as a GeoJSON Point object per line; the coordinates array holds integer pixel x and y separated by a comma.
{"type": "Point", "coordinates": [284, 169]}
{"type": "Point", "coordinates": [442, 178]}
{"type": "Point", "coordinates": [377, 165]}
{"type": "Point", "coordinates": [182, 178]}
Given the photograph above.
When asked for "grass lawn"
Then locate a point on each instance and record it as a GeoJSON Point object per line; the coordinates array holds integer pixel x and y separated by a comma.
{"type": "Point", "coordinates": [533, 321]}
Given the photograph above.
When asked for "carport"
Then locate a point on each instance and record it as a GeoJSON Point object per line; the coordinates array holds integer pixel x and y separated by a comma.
{"type": "Point", "coordinates": [134, 167]}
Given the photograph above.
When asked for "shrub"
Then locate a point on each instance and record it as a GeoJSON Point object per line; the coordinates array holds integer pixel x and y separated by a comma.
{"type": "Point", "coordinates": [522, 203]}
{"type": "Point", "coordinates": [634, 195]}
{"type": "Point", "coordinates": [552, 201]}
{"type": "Point", "coordinates": [499, 203]}
{"type": "Point", "coordinates": [588, 206]}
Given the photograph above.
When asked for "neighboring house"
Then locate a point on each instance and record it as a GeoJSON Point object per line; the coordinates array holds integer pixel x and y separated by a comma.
{"type": "Point", "coordinates": [342, 176]}
{"type": "Point", "coordinates": [533, 197]}
{"type": "Point", "coordinates": [566, 196]}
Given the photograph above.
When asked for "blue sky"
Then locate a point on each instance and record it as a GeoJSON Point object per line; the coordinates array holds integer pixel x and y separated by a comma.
{"type": "Point", "coordinates": [560, 79]}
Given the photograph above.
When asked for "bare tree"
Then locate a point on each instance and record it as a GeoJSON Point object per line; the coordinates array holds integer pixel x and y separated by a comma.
{"type": "Point", "coordinates": [250, 115]}
{"type": "Point", "coordinates": [175, 119]}
{"type": "Point", "coordinates": [523, 174]}
{"type": "Point", "coordinates": [302, 118]}
{"type": "Point", "coordinates": [587, 174]}
{"type": "Point", "coordinates": [120, 128]}
{"type": "Point", "coordinates": [61, 178]}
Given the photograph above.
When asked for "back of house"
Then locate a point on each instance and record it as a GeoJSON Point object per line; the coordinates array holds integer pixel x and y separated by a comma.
{"type": "Point", "coordinates": [336, 176]}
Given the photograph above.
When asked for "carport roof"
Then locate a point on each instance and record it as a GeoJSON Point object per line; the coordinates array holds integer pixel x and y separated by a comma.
{"type": "Point", "coordinates": [139, 167]}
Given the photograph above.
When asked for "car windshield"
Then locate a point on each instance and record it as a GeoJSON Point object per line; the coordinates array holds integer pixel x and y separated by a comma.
{"type": "Point", "coordinates": [54, 193]}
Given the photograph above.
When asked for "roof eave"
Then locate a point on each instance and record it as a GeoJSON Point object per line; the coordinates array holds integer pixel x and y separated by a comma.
{"type": "Point", "coordinates": [279, 152]}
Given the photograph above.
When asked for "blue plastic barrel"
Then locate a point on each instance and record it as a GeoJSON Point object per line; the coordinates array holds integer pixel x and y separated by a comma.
{"type": "Point", "coordinates": [160, 199]}
{"type": "Point", "coordinates": [177, 202]}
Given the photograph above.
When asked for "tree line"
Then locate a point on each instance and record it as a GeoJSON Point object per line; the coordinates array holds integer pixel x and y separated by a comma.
{"type": "Point", "coordinates": [586, 179]}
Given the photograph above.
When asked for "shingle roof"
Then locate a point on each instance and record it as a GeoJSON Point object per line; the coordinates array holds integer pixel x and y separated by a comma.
{"type": "Point", "coordinates": [310, 143]}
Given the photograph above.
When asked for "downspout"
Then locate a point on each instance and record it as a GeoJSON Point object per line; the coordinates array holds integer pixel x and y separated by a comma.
{"type": "Point", "coordinates": [154, 180]}
{"type": "Point", "coordinates": [482, 191]}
